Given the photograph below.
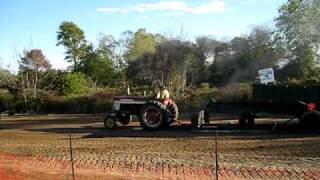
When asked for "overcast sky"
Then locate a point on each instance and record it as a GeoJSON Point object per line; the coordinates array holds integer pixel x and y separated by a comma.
{"type": "Point", "coordinates": [26, 24]}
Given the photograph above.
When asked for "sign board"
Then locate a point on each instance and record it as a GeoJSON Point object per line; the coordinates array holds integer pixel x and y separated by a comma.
{"type": "Point", "coordinates": [266, 76]}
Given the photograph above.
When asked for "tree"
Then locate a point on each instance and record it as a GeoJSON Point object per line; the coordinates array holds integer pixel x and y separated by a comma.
{"type": "Point", "coordinates": [32, 70]}
{"type": "Point", "coordinates": [140, 49]}
{"type": "Point", "coordinates": [107, 45]}
{"type": "Point", "coordinates": [240, 59]}
{"type": "Point", "coordinates": [298, 25]}
{"type": "Point", "coordinates": [99, 67]}
{"type": "Point", "coordinates": [123, 48]}
{"type": "Point", "coordinates": [206, 48]}
{"type": "Point", "coordinates": [205, 52]}
{"type": "Point", "coordinates": [173, 63]}
{"type": "Point", "coordinates": [31, 64]}
{"type": "Point", "coordinates": [140, 43]}
{"type": "Point", "coordinates": [51, 80]}
{"type": "Point", "coordinates": [140, 72]}
{"type": "Point", "coordinates": [7, 79]}
{"type": "Point", "coordinates": [73, 39]}
{"type": "Point", "coordinates": [74, 83]}
{"type": "Point", "coordinates": [113, 50]}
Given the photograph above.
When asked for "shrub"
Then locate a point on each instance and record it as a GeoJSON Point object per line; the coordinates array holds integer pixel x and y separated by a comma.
{"type": "Point", "coordinates": [50, 102]}
{"type": "Point", "coordinates": [196, 99]}
{"type": "Point", "coordinates": [236, 92]}
{"type": "Point", "coordinates": [98, 102]}
{"type": "Point", "coordinates": [74, 84]}
{"type": "Point", "coordinates": [7, 101]}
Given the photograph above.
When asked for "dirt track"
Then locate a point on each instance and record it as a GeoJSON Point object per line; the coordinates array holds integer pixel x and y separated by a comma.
{"type": "Point", "coordinates": [38, 148]}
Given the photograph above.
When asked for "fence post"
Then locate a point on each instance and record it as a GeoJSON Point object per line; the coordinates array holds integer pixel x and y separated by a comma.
{"type": "Point", "coordinates": [200, 118]}
{"type": "Point", "coordinates": [216, 152]}
{"type": "Point", "coordinates": [71, 157]}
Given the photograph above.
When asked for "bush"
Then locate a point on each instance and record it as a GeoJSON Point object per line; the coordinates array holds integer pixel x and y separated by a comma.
{"type": "Point", "coordinates": [11, 112]}
{"type": "Point", "coordinates": [7, 101]}
{"type": "Point", "coordinates": [74, 84]}
{"type": "Point", "coordinates": [99, 102]}
{"type": "Point", "coordinates": [197, 98]}
{"type": "Point", "coordinates": [236, 92]}
{"type": "Point", "coordinates": [50, 102]}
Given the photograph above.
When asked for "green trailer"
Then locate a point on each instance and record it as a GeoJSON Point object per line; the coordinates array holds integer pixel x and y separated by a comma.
{"type": "Point", "coordinates": [285, 93]}
{"type": "Point", "coordinates": [301, 102]}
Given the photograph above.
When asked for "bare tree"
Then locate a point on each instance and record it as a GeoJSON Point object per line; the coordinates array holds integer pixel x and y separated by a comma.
{"type": "Point", "coordinates": [31, 63]}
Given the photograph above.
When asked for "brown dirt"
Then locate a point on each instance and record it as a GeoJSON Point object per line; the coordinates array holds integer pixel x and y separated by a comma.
{"type": "Point", "coordinates": [38, 148]}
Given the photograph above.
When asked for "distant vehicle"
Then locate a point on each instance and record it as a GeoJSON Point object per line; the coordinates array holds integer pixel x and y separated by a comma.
{"type": "Point", "coordinates": [153, 113]}
{"type": "Point", "coordinates": [301, 102]}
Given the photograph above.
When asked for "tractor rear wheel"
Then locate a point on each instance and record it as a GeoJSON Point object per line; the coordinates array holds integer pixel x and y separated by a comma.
{"type": "Point", "coordinates": [174, 112]}
{"type": "Point", "coordinates": [153, 115]}
{"type": "Point", "coordinates": [310, 121]}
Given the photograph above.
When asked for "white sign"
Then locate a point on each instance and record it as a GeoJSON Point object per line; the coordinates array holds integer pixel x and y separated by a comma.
{"type": "Point", "coordinates": [266, 76]}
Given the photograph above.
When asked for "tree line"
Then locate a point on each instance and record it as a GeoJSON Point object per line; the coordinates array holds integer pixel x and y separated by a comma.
{"type": "Point", "coordinates": [144, 59]}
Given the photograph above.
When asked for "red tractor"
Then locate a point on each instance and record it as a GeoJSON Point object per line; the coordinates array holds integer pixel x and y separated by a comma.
{"type": "Point", "coordinates": [153, 113]}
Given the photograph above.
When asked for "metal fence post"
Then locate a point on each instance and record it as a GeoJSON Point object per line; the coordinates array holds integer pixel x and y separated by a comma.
{"type": "Point", "coordinates": [216, 152]}
{"type": "Point", "coordinates": [71, 157]}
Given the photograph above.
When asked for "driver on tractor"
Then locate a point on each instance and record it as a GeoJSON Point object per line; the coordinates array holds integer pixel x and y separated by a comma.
{"type": "Point", "coordinates": [163, 93]}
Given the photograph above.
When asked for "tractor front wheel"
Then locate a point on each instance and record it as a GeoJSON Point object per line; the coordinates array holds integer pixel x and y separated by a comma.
{"type": "Point", "coordinates": [124, 118]}
{"type": "Point", "coordinates": [110, 123]}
